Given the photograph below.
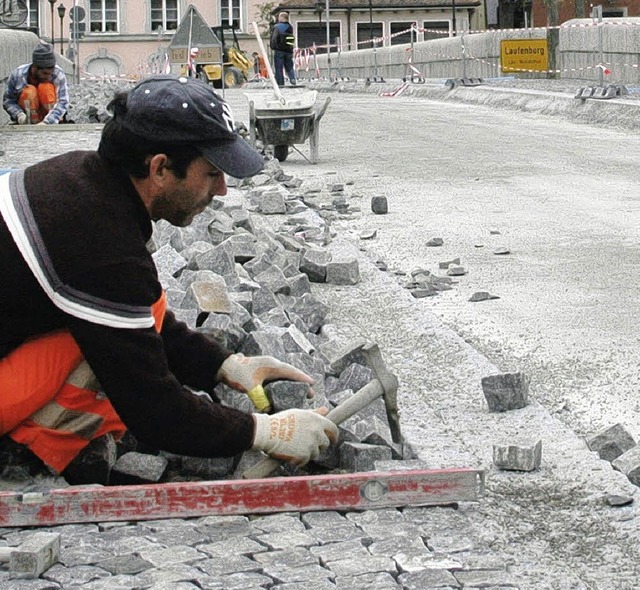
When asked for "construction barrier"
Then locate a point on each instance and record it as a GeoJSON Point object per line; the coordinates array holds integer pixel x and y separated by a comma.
{"type": "Point", "coordinates": [589, 49]}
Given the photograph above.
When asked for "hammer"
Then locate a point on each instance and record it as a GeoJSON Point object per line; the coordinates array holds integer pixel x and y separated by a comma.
{"type": "Point", "coordinates": [384, 384]}
{"type": "Point", "coordinates": [34, 557]}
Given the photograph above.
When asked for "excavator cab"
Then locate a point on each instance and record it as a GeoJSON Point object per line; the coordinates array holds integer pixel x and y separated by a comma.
{"type": "Point", "coordinates": [238, 65]}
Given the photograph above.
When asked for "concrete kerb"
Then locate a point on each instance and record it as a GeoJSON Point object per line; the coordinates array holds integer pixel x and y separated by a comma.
{"type": "Point", "coordinates": [620, 112]}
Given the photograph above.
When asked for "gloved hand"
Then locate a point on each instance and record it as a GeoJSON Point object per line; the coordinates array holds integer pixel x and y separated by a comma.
{"type": "Point", "coordinates": [21, 118]}
{"type": "Point", "coordinates": [244, 373]}
{"type": "Point", "coordinates": [295, 435]}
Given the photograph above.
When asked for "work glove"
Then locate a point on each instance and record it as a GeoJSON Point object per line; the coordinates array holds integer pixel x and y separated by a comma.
{"type": "Point", "coordinates": [248, 373]}
{"type": "Point", "coordinates": [296, 436]}
{"type": "Point", "coordinates": [21, 118]}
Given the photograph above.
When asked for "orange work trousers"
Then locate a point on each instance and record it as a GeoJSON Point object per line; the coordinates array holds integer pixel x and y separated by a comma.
{"type": "Point", "coordinates": [37, 100]}
{"type": "Point", "coordinates": [41, 409]}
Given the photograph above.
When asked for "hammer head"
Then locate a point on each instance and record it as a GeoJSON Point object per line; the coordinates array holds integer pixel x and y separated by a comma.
{"type": "Point", "coordinates": [36, 555]}
{"type": "Point", "coordinates": [389, 383]}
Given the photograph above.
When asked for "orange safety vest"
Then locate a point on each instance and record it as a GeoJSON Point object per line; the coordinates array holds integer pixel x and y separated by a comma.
{"type": "Point", "coordinates": [50, 400]}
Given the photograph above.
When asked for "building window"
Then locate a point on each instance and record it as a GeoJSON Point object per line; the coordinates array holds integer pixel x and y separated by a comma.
{"type": "Point", "coordinates": [230, 13]}
{"type": "Point", "coordinates": [405, 30]}
{"type": "Point", "coordinates": [33, 14]}
{"type": "Point", "coordinates": [436, 29]}
{"type": "Point", "coordinates": [367, 31]}
{"type": "Point", "coordinates": [164, 15]}
{"type": "Point", "coordinates": [614, 12]}
{"type": "Point", "coordinates": [104, 16]}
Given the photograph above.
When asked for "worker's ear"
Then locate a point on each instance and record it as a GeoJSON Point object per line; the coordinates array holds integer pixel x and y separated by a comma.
{"type": "Point", "coordinates": [159, 168]}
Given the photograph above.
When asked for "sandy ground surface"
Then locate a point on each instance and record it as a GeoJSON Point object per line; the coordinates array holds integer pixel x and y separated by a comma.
{"type": "Point", "coordinates": [562, 197]}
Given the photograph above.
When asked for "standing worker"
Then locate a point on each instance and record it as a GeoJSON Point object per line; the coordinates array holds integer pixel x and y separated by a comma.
{"type": "Point", "coordinates": [282, 42]}
{"type": "Point", "coordinates": [87, 344]}
{"type": "Point", "coordinates": [37, 93]}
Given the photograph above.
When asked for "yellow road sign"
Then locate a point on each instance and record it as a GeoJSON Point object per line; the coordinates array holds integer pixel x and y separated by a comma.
{"type": "Point", "coordinates": [524, 54]}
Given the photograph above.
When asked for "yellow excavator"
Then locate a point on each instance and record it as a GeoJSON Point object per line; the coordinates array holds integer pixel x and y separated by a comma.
{"type": "Point", "coordinates": [237, 66]}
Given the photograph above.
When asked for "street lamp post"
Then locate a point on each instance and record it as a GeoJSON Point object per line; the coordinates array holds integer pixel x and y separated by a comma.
{"type": "Point", "coordinates": [53, 37]}
{"type": "Point", "coordinates": [61, 11]}
{"type": "Point", "coordinates": [453, 20]}
{"type": "Point", "coordinates": [328, 38]}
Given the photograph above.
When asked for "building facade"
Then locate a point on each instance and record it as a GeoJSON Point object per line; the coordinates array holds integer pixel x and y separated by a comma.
{"type": "Point", "coordinates": [130, 38]}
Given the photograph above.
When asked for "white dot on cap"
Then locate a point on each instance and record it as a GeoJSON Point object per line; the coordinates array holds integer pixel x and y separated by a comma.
{"type": "Point", "coordinates": [147, 91]}
{"type": "Point", "coordinates": [184, 105]}
{"type": "Point", "coordinates": [212, 104]}
{"type": "Point", "coordinates": [183, 80]}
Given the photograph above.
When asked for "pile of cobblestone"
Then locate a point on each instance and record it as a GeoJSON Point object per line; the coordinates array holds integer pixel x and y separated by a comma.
{"type": "Point", "coordinates": [89, 99]}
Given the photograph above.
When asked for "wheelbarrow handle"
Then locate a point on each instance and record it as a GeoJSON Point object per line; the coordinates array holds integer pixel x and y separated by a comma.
{"type": "Point", "coordinates": [322, 110]}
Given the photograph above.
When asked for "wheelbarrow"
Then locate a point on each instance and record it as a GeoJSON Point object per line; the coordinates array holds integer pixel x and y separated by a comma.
{"type": "Point", "coordinates": [286, 123]}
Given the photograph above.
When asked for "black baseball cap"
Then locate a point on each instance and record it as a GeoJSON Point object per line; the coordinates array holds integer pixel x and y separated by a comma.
{"type": "Point", "coordinates": [187, 111]}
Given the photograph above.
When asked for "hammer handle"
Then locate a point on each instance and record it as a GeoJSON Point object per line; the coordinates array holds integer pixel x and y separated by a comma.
{"type": "Point", "coordinates": [358, 401]}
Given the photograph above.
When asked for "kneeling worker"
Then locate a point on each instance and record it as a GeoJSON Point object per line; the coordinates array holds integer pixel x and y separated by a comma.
{"type": "Point", "coordinates": [37, 93]}
{"type": "Point", "coordinates": [80, 295]}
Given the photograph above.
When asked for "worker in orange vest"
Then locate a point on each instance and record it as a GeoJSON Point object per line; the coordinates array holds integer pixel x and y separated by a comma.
{"type": "Point", "coordinates": [37, 92]}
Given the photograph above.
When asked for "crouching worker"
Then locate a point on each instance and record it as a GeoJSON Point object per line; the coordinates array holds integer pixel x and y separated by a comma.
{"type": "Point", "coordinates": [37, 93]}
{"type": "Point", "coordinates": [80, 296]}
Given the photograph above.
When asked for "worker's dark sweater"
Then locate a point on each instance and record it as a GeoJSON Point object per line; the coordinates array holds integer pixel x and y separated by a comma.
{"type": "Point", "coordinates": [83, 266]}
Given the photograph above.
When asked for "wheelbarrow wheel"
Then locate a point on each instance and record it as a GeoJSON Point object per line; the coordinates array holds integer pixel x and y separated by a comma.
{"type": "Point", "coordinates": [280, 152]}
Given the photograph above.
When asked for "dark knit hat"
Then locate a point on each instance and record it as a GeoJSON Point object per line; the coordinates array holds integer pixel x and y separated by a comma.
{"type": "Point", "coordinates": [186, 111]}
{"type": "Point", "coordinates": [43, 56]}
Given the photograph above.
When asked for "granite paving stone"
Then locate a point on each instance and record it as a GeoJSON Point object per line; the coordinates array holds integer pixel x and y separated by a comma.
{"type": "Point", "coordinates": [12, 583]}
{"type": "Point", "coordinates": [80, 574]}
{"type": "Point", "coordinates": [178, 572]}
{"type": "Point", "coordinates": [125, 564]}
{"type": "Point", "coordinates": [376, 581]}
{"type": "Point", "coordinates": [374, 516]}
{"type": "Point", "coordinates": [445, 544]}
{"type": "Point", "coordinates": [380, 530]}
{"type": "Point", "coordinates": [133, 543]}
{"type": "Point", "coordinates": [296, 557]}
{"type": "Point", "coordinates": [427, 579]}
{"type": "Point", "coordinates": [353, 549]}
{"type": "Point", "coordinates": [225, 527]}
{"type": "Point", "coordinates": [485, 578]}
{"type": "Point", "coordinates": [323, 518]}
{"type": "Point", "coordinates": [170, 555]}
{"type": "Point", "coordinates": [122, 582]}
{"type": "Point", "coordinates": [395, 544]}
{"type": "Point", "coordinates": [174, 586]}
{"type": "Point", "coordinates": [363, 565]}
{"type": "Point", "coordinates": [178, 535]}
{"type": "Point", "coordinates": [321, 584]}
{"type": "Point", "coordinates": [82, 555]}
{"type": "Point", "coordinates": [278, 523]}
{"type": "Point", "coordinates": [413, 560]}
{"type": "Point", "coordinates": [275, 541]}
{"type": "Point", "coordinates": [237, 581]}
{"type": "Point", "coordinates": [343, 532]}
{"type": "Point", "coordinates": [285, 575]}
{"type": "Point", "coordinates": [233, 546]}
{"type": "Point", "coordinates": [231, 564]}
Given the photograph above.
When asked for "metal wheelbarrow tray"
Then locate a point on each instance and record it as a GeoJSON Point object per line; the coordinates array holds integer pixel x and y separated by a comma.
{"type": "Point", "coordinates": [286, 122]}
